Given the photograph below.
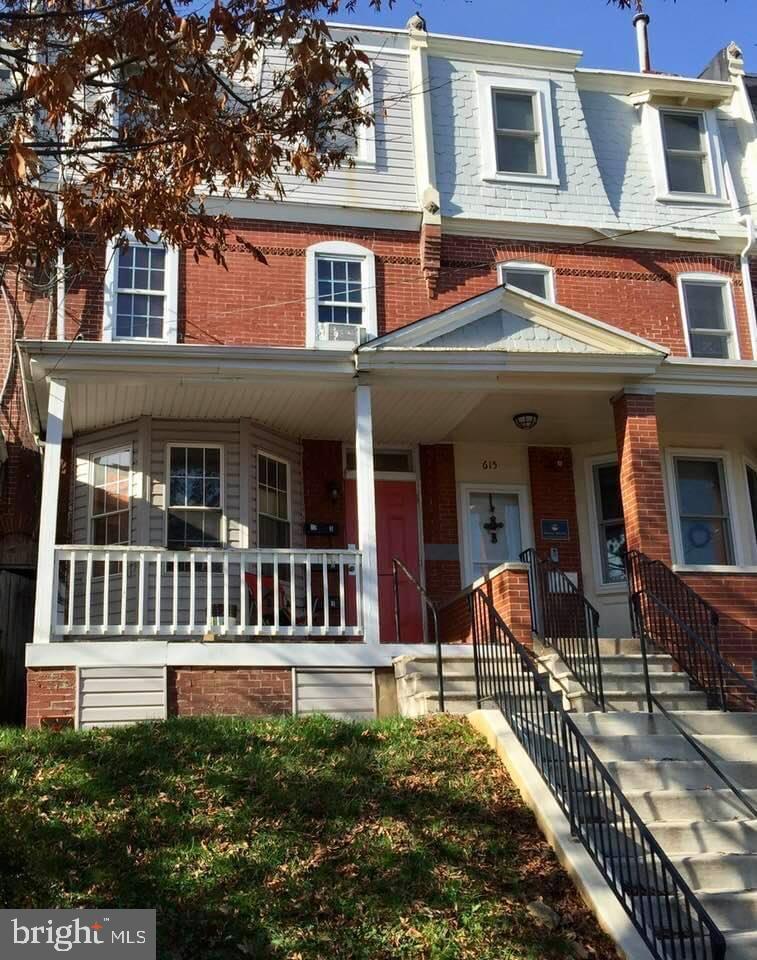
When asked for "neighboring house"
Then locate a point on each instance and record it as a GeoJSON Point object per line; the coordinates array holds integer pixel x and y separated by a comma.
{"type": "Point", "coordinates": [525, 317]}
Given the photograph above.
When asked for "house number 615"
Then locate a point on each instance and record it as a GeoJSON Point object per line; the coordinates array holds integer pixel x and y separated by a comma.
{"type": "Point", "coordinates": [489, 464]}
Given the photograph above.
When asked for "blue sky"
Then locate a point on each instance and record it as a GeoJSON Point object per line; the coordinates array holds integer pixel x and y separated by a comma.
{"type": "Point", "coordinates": [683, 35]}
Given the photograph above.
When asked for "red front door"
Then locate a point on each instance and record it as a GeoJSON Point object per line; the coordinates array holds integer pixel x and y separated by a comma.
{"type": "Point", "coordinates": [396, 536]}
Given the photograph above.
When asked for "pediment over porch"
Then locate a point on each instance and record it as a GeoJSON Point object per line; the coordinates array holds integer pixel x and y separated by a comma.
{"type": "Point", "coordinates": [509, 320]}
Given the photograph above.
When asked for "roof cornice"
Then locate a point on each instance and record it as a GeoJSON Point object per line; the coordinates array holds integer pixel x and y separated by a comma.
{"type": "Point", "coordinates": [654, 84]}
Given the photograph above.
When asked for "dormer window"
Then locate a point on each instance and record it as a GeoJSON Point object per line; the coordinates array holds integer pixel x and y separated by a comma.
{"type": "Point", "coordinates": [358, 145]}
{"type": "Point", "coordinates": [341, 295]}
{"type": "Point", "coordinates": [517, 131]}
{"type": "Point", "coordinates": [141, 283]}
{"type": "Point", "coordinates": [531, 277]}
{"type": "Point", "coordinates": [709, 321]}
{"type": "Point", "coordinates": [684, 152]}
{"type": "Point", "coordinates": [684, 138]}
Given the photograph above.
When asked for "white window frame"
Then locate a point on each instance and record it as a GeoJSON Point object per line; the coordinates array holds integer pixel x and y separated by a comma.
{"type": "Point", "coordinates": [258, 513]}
{"type": "Point", "coordinates": [170, 294]}
{"type": "Point", "coordinates": [714, 279]}
{"type": "Point", "coordinates": [602, 587]}
{"type": "Point", "coordinates": [714, 169]}
{"type": "Point", "coordinates": [103, 452]}
{"type": "Point", "coordinates": [346, 250]}
{"type": "Point", "coordinates": [546, 152]}
{"type": "Point", "coordinates": [530, 267]}
{"type": "Point", "coordinates": [167, 492]}
{"type": "Point", "coordinates": [520, 490]}
{"type": "Point", "coordinates": [674, 517]}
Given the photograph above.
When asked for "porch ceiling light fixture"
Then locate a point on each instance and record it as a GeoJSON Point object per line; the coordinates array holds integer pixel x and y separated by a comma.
{"type": "Point", "coordinates": [526, 421]}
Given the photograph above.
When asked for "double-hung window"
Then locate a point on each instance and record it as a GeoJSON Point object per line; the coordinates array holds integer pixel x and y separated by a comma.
{"type": "Point", "coordinates": [141, 285]}
{"type": "Point", "coordinates": [611, 529]}
{"type": "Point", "coordinates": [685, 144]}
{"type": "Point", "coordinates": [195, 497]}
{"type": "Point", "coordinates": [517, 129]}
{"type": "Point", "coordinates": [111, 504]}
{"type": "Point", "coordinates": [704, 519]}
{"type": "Point", "coordinates": [707, 305]}
{"type": "Point", "coordinates": [274, 521]}
{"type": "Point", "coordinates": [340, 280]}
{"type": "Point", "coordinates": [340, 289]}
{"type": "Point", "coordinates": [516, 132]}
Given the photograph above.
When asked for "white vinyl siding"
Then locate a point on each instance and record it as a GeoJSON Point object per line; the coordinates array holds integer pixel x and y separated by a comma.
{"type": "Point", "coordinates": [389, 182]}
{"type": "Point", "coordinates": [118, 696]}
{"type": "Point", "coordinates": [148, 509]}
{"type": "Point", "coordinates": [346, 694]}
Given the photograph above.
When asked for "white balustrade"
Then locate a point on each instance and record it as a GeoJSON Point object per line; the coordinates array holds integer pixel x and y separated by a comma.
{"type": "Point", "coordinates": [151, 592]}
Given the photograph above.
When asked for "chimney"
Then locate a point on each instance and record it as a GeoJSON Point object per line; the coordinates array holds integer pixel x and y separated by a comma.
{"type": "Point", "coordinates": [641, 23]}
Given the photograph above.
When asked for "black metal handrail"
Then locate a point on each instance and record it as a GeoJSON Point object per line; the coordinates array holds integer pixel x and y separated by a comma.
{"type": "Point", "coordinates": [667, 613]}
{"type": "Point", "coordinates": [663, 909]}
{"type": "Point", "coordinates": [643, 573]}
{"type": "Point", "coordinates": [399, 567]}
{"type": "Point", "coordinates": [564, 619]}
{"type": "Point", "coordinates": [719, 680]}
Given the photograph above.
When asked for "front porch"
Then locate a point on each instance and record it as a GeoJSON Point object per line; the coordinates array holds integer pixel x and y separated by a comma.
{"type": "Point", "coordinates": [229, 507]}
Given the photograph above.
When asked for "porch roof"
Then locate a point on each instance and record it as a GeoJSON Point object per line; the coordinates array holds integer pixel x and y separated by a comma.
{"type": "Point", "coordinates": [292, 390]}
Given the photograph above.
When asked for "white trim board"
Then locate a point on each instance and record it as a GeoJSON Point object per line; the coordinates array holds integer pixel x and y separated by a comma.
{"type": "Point", "coordinates": [147, 653]}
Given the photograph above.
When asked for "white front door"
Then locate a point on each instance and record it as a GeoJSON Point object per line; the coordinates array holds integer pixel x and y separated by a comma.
{"type": "Point", "coordinates": [493, 528]}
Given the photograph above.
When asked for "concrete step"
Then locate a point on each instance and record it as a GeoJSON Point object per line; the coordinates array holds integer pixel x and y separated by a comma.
{"type": "Point", "coordinates": [641, 723]}
{"type": "Point", "coordinates": [685, 837]}
{"type": "Point", "coordinates": [729, 747]}
{"type": "Point", "coordinates": [653, 747]}
{"type": "Point", "coordinates": [426, 664]}
{"type": "Point", "coordinates": [703, 872]}
{"type": "Point", "coordinates": [615, 646]}
{"type": "Point", "coordinates": [659, 681]}
{"type": "Point", "coordinates": [732, 909]}
{"type": "Point", "coordinates": [679, 775]}
{"type": "Point", "coordinates": [689, 805]}
{"type": "Point", "coordinates": [716, 721]}
{"type": "Point", "coordinates": [636, 701]}
{"type": "Point", "coordinates": [741, 946]}
{"type": "Point", "coordinates": [421, 704]}
{"type": "Point", "coordinates": [634, 663]}
{"type": "Point", "coordinates": [411, 683]}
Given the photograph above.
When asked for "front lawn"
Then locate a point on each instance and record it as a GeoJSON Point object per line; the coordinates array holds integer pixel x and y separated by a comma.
{"type": "Point", "coordinates": [287, 839]}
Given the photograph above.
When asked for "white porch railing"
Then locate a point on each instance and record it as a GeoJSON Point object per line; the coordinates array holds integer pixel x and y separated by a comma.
{"type": "Point", "coordinates": [150, 591]}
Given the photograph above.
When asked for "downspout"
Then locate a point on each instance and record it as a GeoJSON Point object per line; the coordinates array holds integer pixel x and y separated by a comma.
{"type": "Point", "coordinates": [746, 278]}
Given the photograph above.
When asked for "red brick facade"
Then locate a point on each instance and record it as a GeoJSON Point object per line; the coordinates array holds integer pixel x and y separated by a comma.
{"type": "Point", "coordinates": [508, 591]}
{"type": "Point", "coordinates": [50, 693]}
{"type": "Point", "coordinates": [229, 691]}
{"type": "Point", "coordinates": [553, 497]}
{"type": "Point", "coordinates": [642, 486]}
{"type": "Point", "coordinates": [734, 596]}
{"type": "Point", "coordinates": [440, 536]}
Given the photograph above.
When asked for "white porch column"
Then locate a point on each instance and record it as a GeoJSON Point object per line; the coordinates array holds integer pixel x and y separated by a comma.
{"type": "Point", "coordinates": [366, 511]}
{"type": "Point", "coordinates": [46, 599]}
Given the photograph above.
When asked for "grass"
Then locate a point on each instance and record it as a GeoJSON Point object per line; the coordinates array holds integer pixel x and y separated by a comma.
{"type": "Point", "coordinates": [287, 840]}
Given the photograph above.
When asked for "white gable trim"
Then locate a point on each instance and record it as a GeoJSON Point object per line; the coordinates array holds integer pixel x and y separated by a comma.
{"type": "Point", "coordinates": [604, 338]}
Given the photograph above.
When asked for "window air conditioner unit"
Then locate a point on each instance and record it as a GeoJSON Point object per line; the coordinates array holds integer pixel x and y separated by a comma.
{"type": "Point", "coordinates": [346, 334]}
